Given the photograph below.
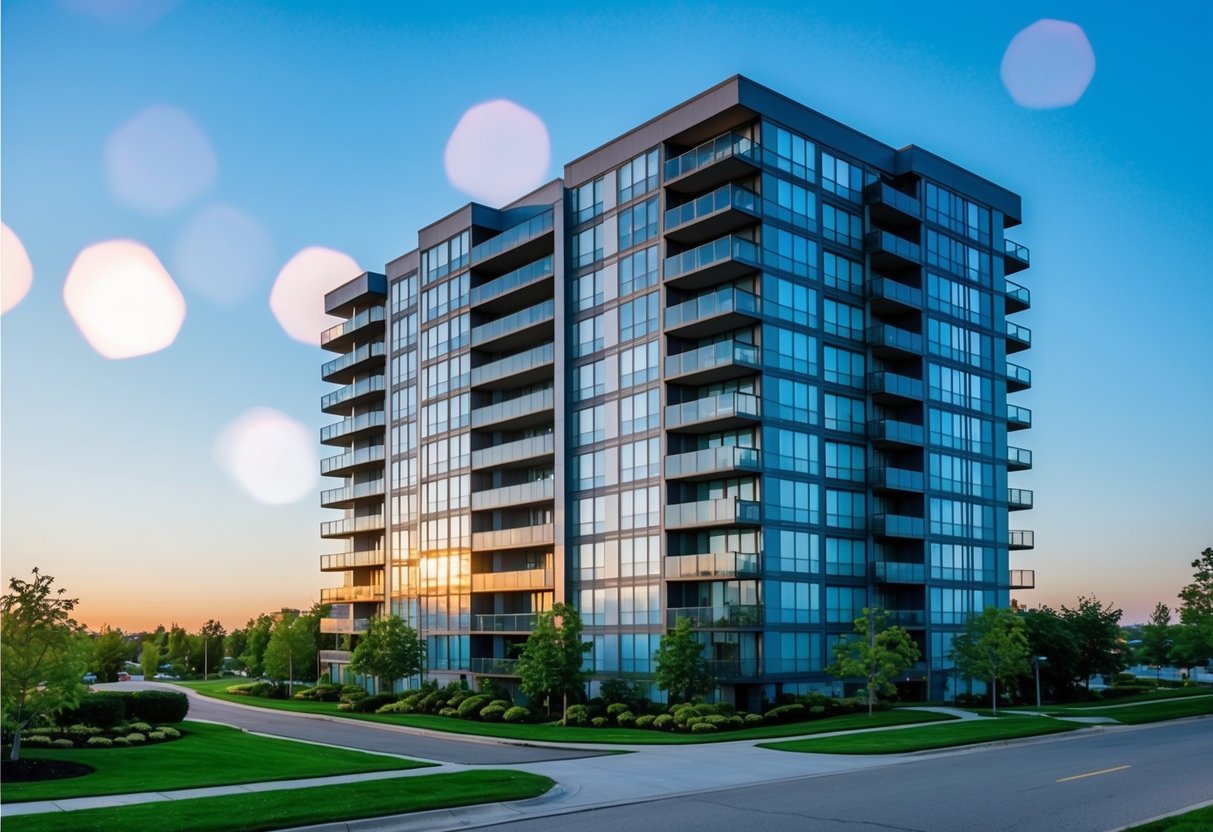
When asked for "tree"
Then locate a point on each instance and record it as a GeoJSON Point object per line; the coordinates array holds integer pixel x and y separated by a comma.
{"type": "Point", "coordinates": [211, 635]}
{"type": "Point", "coordinates": [234, 645]}
{"type": "Point", "coordinates": [109, 654]}
{"type": "Point", "coordinates": [1192, 644]}
{"type": "Point", "coordinates": [149, 658]}
{"type": "Point", "coordinates": [993, 647]}
{"type": "Point", "coordinates": [256, 639]}
{"type": "Point", "coordinates": [878, 654]}
{"type": "Point", "coordinates": [682, 669]}
{"type": "Point", "coordinates": [43, 653]}
{"type": "Point", "coordinates": [390, 650]}
{"type": "Point", "coordinates": [1096, 629]}
{"type": "Point", "coordinates": [1050, 637]}
{"type": "Point", "coordinates": [1156, 637]}
{"type": "Point", "coordinates": [1197, 597]}
{"type": "Point", "coordinates": [550, 662]}
{"type": "Point", "coordinates": [290, 649]}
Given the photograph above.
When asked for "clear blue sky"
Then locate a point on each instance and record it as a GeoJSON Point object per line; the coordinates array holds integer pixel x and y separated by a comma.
{"type": "Point", "coordinates": [329, 121]}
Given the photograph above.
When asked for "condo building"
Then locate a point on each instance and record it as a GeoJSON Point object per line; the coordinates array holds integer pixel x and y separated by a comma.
{"type": "Point", "coordinates": [742, 364]}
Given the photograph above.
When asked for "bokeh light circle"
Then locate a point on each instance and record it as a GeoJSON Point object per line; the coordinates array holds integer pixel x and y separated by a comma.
{"type": "Point", "coordinates": [122, 299]}
{"type": "Point", "coordinates": [269, 455]}
{"type": "Point", "coordinates": [223, 254]}
{"type": "Point", "coordinates": [16, 270]}
{"type": "Point", "coordinates": [297, 298]}
{"type": "Point", "coordinates": [159, 160]}
{"type": "Point", "coordinates": [1049, 64]}
{"type": "Point", "coordinates": [497, 152]}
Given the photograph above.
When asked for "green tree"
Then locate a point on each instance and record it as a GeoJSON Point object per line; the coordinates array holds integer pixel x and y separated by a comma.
{"type": "Point", "coordinates": [1050, 637]}
{"type": "Point", "coordinates": [390, 650]}
{"type": "Point", "coordinates": [1096, 629]}
{"type": "Point", "coordinates": [234, 645]}
{"type": "Point", "coordinates": [257, 638]}
{"type": "Point", "coordinates": [993, 647]}
{"type": "Point", "coordinates": [149, 658]}
{"type": "Point", "coordinates": [1156, 638]}
{"type": "Point", "coordinates": [1197, 597]}
{"type": "Point", "coordinates": [211, 635]}
{"type": "Point", "coordinates": [877, 654]}
{"type": "Point", "coordinates": [43, 654]}
{"type": "Point", "coordinates": [1192, 644]}
{"type": "Point", "coordinates": [109, 654]}
{"type": "Point", "coordinates": [291, 650]}
{"type": "Point", "coordinates": [682, 670]}
{"type": "Point", "coordinates": [178, 650]}
{"type": "Point", "coordinates": [550, 662]}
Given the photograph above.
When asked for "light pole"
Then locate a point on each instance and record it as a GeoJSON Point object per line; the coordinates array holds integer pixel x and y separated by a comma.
{"type": "Point", "coordinates": [1037, 661]}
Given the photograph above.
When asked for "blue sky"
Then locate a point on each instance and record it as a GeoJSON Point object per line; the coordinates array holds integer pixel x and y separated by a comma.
{"type": "Point", "coordinates": [328, 122]}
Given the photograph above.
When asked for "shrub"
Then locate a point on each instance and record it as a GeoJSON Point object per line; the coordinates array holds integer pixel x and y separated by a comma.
{"type": "Point", "coordinates": [396, 707]}
{"type": "Point", "coordinates": [156, 736]}
{"type": "Point", "coordinates": [36, 739]}
{"type": "Point", "coordinates": [344, 706]}
{"type": "Point", "coordinates": [492, 713]}
{"type": "Point", "coordinates": [455, 700]}
{"type": "Point", "coordinates": [684, 714]}
{"type": "Point", "coordinates": [451, 712]}
{"type": "Point", "coordinates": [692, 721]}
{"type": "Point", "coordinates": [355, 695]}
{"type": "Point", "coordinates": [102, 710]}
{"type": "Point", "coordinates": [62, 744]}
{"type": "Point", "coordinates": [100, 742]}
{"type": "Point", "coordinates": [726, 708]}
{"type": "Point", "coordinates": [84, 730]}
{"type": "Point", "coordinates": [504, 703]}
{"type": "Point", "coordinates": [577, 715]}
{"type": "Point", "coordinates": [716, 719]}
{"type": "Point", "coordinates": [321, 693]}
{"type": "Point", "coordinates": [754, 719]}
{"type": "Point", "coordinates": [121, 741]}
{"type": "Point", "coordinates": [599, 722]}
{"type": "Point", "coordinates": [645, 721]}
{"type": "Point", "coordinates": [470, 707]}
{"type": "Point", "coordinates": [517, 714]}
{"type": "Point", "coordinates": [371, 704]}
{"type": "Point", "coordinates": [141, 727]}
{"type": "Point", "coordinates": [615, 709]}
{"type": "Point", "coordinates": [135, 738]}
{"type": "Point", "coordinates": [736, 721]}
{"type": "Point", "coordinates": [169, 732]}
{"type": "Point", "coordinates": [665, 722]}
{"type": "Point", "coordinates": [1124, 679]}
{"type": "Point", "coordinates": [1118, 691]}
{"type": "Point", "coordinates": [626, 719]}
{"type": "Point", "coordinates": [817, 710]}
{"type": "Point", "coordinates": [703, 728]}
{"type": "Point", "coordinates": [786, 713]}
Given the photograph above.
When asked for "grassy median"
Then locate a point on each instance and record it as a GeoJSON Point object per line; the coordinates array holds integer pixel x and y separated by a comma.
{"type": "Point", "coordinates": [1198, 820]}
{"type": "Point", "coordinates": [964, 732]}
{"type": "Point", "coordinates": [1139, 714]}
{"type": "Point", "coordinates": [258, 811]}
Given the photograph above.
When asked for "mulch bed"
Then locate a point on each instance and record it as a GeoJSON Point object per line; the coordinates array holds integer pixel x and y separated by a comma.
{"type": "Point", "coordinates": [27, 770]}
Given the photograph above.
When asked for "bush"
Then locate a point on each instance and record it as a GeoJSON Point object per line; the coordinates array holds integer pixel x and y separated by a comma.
{"type": "Point", "coordinates": [141, 727]}
{"type": "Point", "coordinates": [577, 715]}
{"type": "Point", "coordinates": [645, 721]}
{"type": "Point", "coordinates": [726, 708]}
{"type": "Point", "coordinates": [1118, 691]}
{"type": "Point", "coordinates": [665, 722]}
{"type": "Point", "coordinates": [817, 710]}
{"type": "Point", "coordinates": [703, 728]}
{"type": "Point", "coordinates": [786, 713]}
{"type": "Point", "coordinates": [492, 713]}
{"type": "Point", "coordinates": [62, 744]}
{"type": "Point", "coordinates": [136, 738]}
{"type": "Point", "coordinates": [736, 721]}
{"type": "Point", "coordinates": [371, 704]}
{"type": "Point", "coordinates": [626, 719]}
{"type": "Point", "coordinates": [449, 712]}
{"type": "Point", "coordinates": [599, 722]}
{"type": "Point", "coordinates": [716, 719]}
{"type": "Point", "coordinates": [156, 736]}
{"type": "Point", "coordinates": [517, 714]}
{"type": "Point", "coordinates": [169, 732]}
{"type": "Point", "coordinates": [100, 742]}
{"type": "Point", "coordinates": [121, 742]}
{"type": "Point", "coordinates": [36, 739]}
{"type": "Point", "coordinates": [84, 730]}
{"type": "Point", "coordinates": [321, 693]}
{"type": "Point", "coordinates": [692, 721]}
{"type": "Point", "coordinates": [754, 719]}
{"type": "Point", "coordinates": [470, 707]}
{"type": "Point", "coordinates": [615, 709]}
{"type": "Point", "coordinates": [102, 710]}
{"type": "Point", "coordinates": [1124, 679]}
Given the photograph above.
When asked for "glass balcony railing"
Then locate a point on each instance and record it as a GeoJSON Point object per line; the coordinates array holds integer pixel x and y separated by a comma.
{"type": "Point", "coordinates": [350, 560]}
{"type": "Point", "coordinates": [513, 236]}
{"type": "Point", "coordinates": [354, 424]}
{"type": "Point", "coordinates": [894, 338]}
{"type": "Point", "coordinates": [898, 479]}
{"type": "Point", "coordinates": [898, 525]}
{"type": "Point", "coordinates": [528, 405]}
{"type": "Point", "coordinates": [721, 669]}
{"type": "Point", "coordinates": [513, 364]}
{"type": "Point", "coordinates": [721, 354]}
{"type": "Point", "coordinates": [518, 579]}
{"type": "Point", "coordinates": [719, 565]}
{"type": "Point", "coordinates": [344, 362]}
{"type": "Point", "coordinates": [335, 656]}
{"type": "Point", "coordinates": [709, 153]}
{"type": "Point", "coordinates": [724, 511]}
{"type": "Point", "coordinates": [710, 460]}
{"type": "Point", "coordinates": [1023, 579]}
{"type": "Point", "coordinates": [1018, 297]}
{"type": "Point", "coordinates": [723, 301]}
{"type": "Point", "coordinates": [508, 623]}
{"type": "Point", "coordinates": [362, 456]}
{"type": "Point", "coordinates": [352, 525]}
{"type": "Point", "coordinates": [508, 282]}
{"type": "Point", "coordinates": [1018, 417]}
{"type": "Point", "coordinates": [1018, 377]}
{"type": "Point", "coordinates": [1019, 457]}
{"type": "Point", "coordinates": [352, 492]}
{"type": "Point", "coordinates": [882, 193]}
{"type": "Point", "coordinates": [730, 196]}
{"type": "Point", "coordinates": [895, 432]}
{"type": "Point", "coordinates": [883, 288]}
{"type": "Point", "coordinates": [339, 626]}
{"type": "Point", "coordinates": [363, 318]}
{"type": "Point", "coordinates": [488, 666]}
{"type": "Point", "coordinates": [892, 572]}
{"type": "Point", "coordinates": [372, 384]}
{"type": "Point", "coordinates": [725, 615]}
{"type": "Point", "coordinates": [517, 451]}
{"type": "Point", "coordinates": [712, 408]}
{"type": "Point", "coordinates": [708, 254]}
{"type": "Point", "coordinates": [513, 538]}
{"type": "Point", "coordinates": [512, 495]}
{"type": "Point", "coordinates": [1021, 539]}
{"type": "Point", "coordinates": [511, 323]}
{"type": "Point", "coordinates": [906, 618]}
{"type": "Point", "coordinates": [891, 246]}
{"type": "Point", "coordinates": [338, 594]}
{"type": "Point", "coordinates": [894, 384]}
{"type": "Point", "coordinates": [1015, 332]}
{"type": "Point", "coordinates": [1014, 249]}
{"type": "Point", "coordinates": [1020, 497]}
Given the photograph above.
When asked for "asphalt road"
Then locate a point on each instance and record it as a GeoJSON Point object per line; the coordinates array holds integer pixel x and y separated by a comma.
{"type": "Point", "coordinates": [1090, 783]}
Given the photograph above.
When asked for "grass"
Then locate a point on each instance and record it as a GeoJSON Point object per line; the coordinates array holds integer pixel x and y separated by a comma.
{"type": "Point", "coordinates": [554, 733]}
{"type": "Point", "coordinates": [296, 807]}
{"type": "Point", "coordinates": [1161, 693]}
{"type": "Point", "coordinates": [1143, 713]}
{"type": "Point", "coordinates": [1198, 820]}
{"type": "Point", "coordinates": [206, 755]}
{"type": "Point", "coordinates": [920, 739]}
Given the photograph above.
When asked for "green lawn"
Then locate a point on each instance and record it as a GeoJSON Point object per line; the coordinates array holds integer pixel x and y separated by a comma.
{"type": "Point", "coordinates": [936, 736]}
{"type": "Point", "coordinates": [1198, 820]}
{"type": "Point", "coordinates": [554, 733]}
{"type": "Point", "coordinates": [1155, 712]}
{"type": "Point", "coordinates": [1161, 693]}
{"type": "Point", "coordinates": [296, 807]}
{"type": "Point", "coordinates": [206, 755]}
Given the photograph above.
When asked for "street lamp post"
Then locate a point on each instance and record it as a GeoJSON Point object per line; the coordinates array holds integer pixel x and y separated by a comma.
{"type": "Point", "coordinates": [1036, 663]}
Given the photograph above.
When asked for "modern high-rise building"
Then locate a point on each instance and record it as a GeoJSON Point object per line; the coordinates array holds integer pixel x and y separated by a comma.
{"type": "Point", "coordinates": [742, 364]}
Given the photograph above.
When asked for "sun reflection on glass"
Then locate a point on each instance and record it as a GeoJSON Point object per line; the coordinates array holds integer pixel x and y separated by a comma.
{"type": "Point", "coordinates": [498, 152]}
{"type": "Point", "coordinates": [297, 298]}
{"type": "Point", "coordinates": [1049, 64]}
{"type": "Point", "coordinates": [159, 160]}
{"type": "Point", "coordinates": [16, 271]}
{"type": "Point", "coordinates": [122, 299]}
{"type": "Point", "coordinates": [223, 254]}
{"type": "Point", "coordinates": [269, 455]}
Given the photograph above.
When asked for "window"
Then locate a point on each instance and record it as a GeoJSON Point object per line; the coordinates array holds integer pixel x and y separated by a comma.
{"type": "Point", "coordinates": [638, 271]}
{"type": "Point", "coordinates": [844, 413]}
{"type": "Point", "coordinates": [843, 320]}
{"type": "Point", "coordinates": [448, 256]}
{"type": "Point", "coordinates": [589, 515]}
{"type": "Point", "coordinates": [640, 460]}
{"type": "Point", "coordinates": [954, 606]}
{"type": "Point", "coordinates": [845, 556]}
{"type": "Point", "coordinates": [958, 343]}
{"type": "Point", "coordinates": [791, 501]}
{"type": "Point", "coordinates": [790, 450]}
{"type": "Point", "coordinates": [789, 252]}
{"type": "Point", "coordinates": [445, 376]}
{"type": "Point", "coordinates": [591, 561]}
{"type": "Point", "coordinates": [404, 331]}
{"type": "Point", "coordinates": [404, 292]}
{"type": "Point", "coordinates": [796, 602]}
{"type": "Point", "coordinates": [592, 605]}
{"type": "Point", "coordinates": [639, 605]}
{"type": "Point", "coordinates": [794, 401]}
{"type": "Point", "coordinates": [590, 470]}
{"type": "Point", "coordinates": [638, 223]}
{"type": "Point", "coordinates": [845, 462]}
{"type": "Point", "coordinates": [846, 509]}
{"type": "Point", "coordinates": [447, 454]}
{"type": "Point", "coordinates": [961, 476]}
{"type": "Point", "coordinates": [588, 291]}
{"type": "Point", "coordinates": [587, 246]}
{"type": "Point", "coordinates": [448, 336]}
{"type": "Point", "coordinates": [589, 425]}
{"type": "Point", "coordinates": [843, 274]}
{"type": "Point", "coordinates": [640, 412]}
{"type": "Point", "coordinates": [797, 652]}
{"type": "Point", "coordinates": [446, 494]}
{"type": "Point", "coordinates": [639, 507]}
{"type": "Point", "coordinates": [792, 551]}
{"type": "Point", "coordinates": [841, 177]}
{"type": "Point", "coordinates": [638, 317]}
{"type": "Point", "coordinates": [589, 380]}
{"type": "Point", "coordinates": [586, 201]}
{"type": "Point", "coordinates": [843, 367]}
{"type": "Point", "coordinates": [789, 300]}
{"type": "Point", "coordinates": [957, 299]}
{"type": "Point", "coordinates": [639, 556]}
{"type": "Point", "coordinates": [844, 603]}
{"type": "Point", "coordinates": [789, 349]}
{"type": "Point", "coordinates": [638, 176]}
{"type": "Point", "coordinates": [636, 652]}
{"type": "Point", "coordinates": [789, 202]}
{"type": "Point", "coordinates": [959, 258]}
{"type": "Point", "coordinates": [842, 227]}
{"type": "Point", "coordinates": [956, 387]}
{"type": "Point", "coordinates": [957, 518]}
{"type": "Point", "coordinates": [789, 151]}
{"type": "Point", "coordinates": [587, 335]}
{"type": "Point", "coordinates": [957, 562]}
{"type": "Point", "coordinates": [445, 297]}
{"type": "Point", "coordinates": [962, 433]}
{"type": "Point", "coordinates": [445, 415]}
{"type": "Point", "coordinates": [957, 214]}
{"type": "Point", "coordinates": [638, 364]}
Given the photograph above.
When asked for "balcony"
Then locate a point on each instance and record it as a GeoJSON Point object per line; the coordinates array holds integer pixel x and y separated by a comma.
{"type": "Point", "coordinates": [891, 253]}
{"type": "Point", "coordinates": [344, 626]}
{"type": "Point", "coordinates": [894, 389]}
{"type": "Point", "coordinates": [347, 526]}
{"type": "Point", "coordinates": [723, 211]}
{"type": "Point", "coordinates": [1018, 298]}
{"type": "Point", "coordinates": [713, 363]}
{"type": "Point", "coordinates": [910, 619]}
{"type": "Point", "coordinates": [522, 622]}
{"type": "Point", "coordinates": [362, 391]}
{"type": "Point", "coordinates": [711, 462]}
{"type": "Point", "coordinates": [1014, 256]}
{"type": "Point", "coordinates": [724, 310]}
{"type": "Point", "coordinates": [518, 370]}
{"type": "Point", "coordinates": [529, 450]}
{"type": "Point", "coordinates": [1018, 418]}
{"type": "Point", "coordinates": [367, 325]}
{"type": "Point", "coordinates": [711, 566]}
{"type": "Point", "coordinates": [1018, 378]}
{"type": "Point", "coordinates": [723, 670]}
{"type": "Point", "coordinates": [723, 411]}
{"type": "Point", "coordinates": [517, 413]}
{"type": "Point", "coordinates": [1023, 579]}
{"type": "Point", "coordinates": [516, 538]}
{"type": "Point", "coordinates": [889, 341]}
{"type": "Point", "coordinates": [713, 163]}
{"type": "Point", "coordinates": [890, 433]}
{"type": "Point", "coordinates": [361, 361]}
{"type": "Point", "coordinates": [335, 656]}
{"type": "Point", "coordinates": [519, 579]}
{"type": "Point", "coordinates": [889, 206]}
{"type": "Point", "coordinates": [719, 261]}
{"type": "Point", "coordinates": [344, 561]}
{"type": "Point", "coordinates": [898, 525]}
{"type": "Point", "coordinates": [350, 594]}
{"type": "Point", "coordinates": [488, 666]}
{"type": "Point", "coordinates": [345, 464]}
{"type": "Point", "coordinates": [1021, 539]}
{"type": "Point", "coordinates": [724, 511]}
{"type": "Point", "coordinates": [1019, 338]}
{"type": "Point", "coordinates": [515, 246]}
{"type": "Point", "coordinates": [887, 478]}
{"type": "Point", "coordinates": [732, 616]}
{"type": "Point", "coordinates": [347, 430]}
{"type": "Point", "coordinates": [1018, 459]}
{"type": "Point", "coordinates": [1019, 499]}
{"type": "Point", "coordinates": [522, 494]}
{"type": "Point", "coordinates": [350, 494]}
{"type": "Point", "coordinates": [893, 572]}
{"type": "Point", "coordinates": [518, 329]}
{"type": "Point", "coordinates": [888, 297]}
{"type": "Point", "coordinates": [514, 290]}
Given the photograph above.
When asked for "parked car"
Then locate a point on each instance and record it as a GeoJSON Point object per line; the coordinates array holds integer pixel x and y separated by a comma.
{"type": "Point", "coordinates": [165, 677]}
{"type": "Point", "coordinates": [123, 676]}
{"type": "Point", "coordinates": [90, 678]}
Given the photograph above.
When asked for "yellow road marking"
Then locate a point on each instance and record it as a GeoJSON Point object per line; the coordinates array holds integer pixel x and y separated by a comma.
{"type": "Point", "coordinates": [1093, 773]}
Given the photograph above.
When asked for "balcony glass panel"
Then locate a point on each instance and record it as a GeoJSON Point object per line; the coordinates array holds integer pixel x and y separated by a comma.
{"type": "Point", "coordinates": [515, 580]}
{"type": "Point", "coordinates": [723, 511]}
{"type": "Point", "coordinates": [1019, 415]}
{"type": "Point", "coordinates": [367, 316]}
{"type": "Point", "coordinates": [1019, 374]}
{"type": "Point", "coordinates": [531, 403]}
{"type": "Point", "coordinates": [722, 565]}
{"type": "Point", "coordinates": [351, 425]}
{"type": "Point", "coordinates": [512, 364]}
{"type": "Point", "coordinates": [892, 572]}
{"type": "Point", "coordinates": [1019, 333]}
{"type": "Point", "coordinates": [894, 384]}
{"type": "Point", "coordinates": [730, 196]}
{"type": "Point", "coordinates": [883, 287]}
{"type": "Point", "coordinates": [902, 479]}
{"type": "Point", "coordinates": [712, 459]}
{"type": "Point", "coordinates": [521, 319]}
{"type": "Point", "coordinates": [708, 408]}
{"type": "Point", "coordinates": [510, 281]}
{"type": "Point", "coordinates": [359, 457]}
{"type": "Point", "coordinates": [1021, 497]}
{"type": "Point", "coordinates": [1014, 249]}
{"type": "Point", "coordinates": [352, 525]}
{"type": "Point", "coordinates": [494, 667]}
{"type": "Point", "coordinates": [518, 450]}
{"type": "Point", "coordinates": [886, 335]}
{"type": "Point", "coordinates": [1019, 293]}
{"type": "Point", "coordinates": [726, 248]}
{"type": "Point", "coordinates": [884, 241]}
{"type": "Point", "coordinates": [373, 384]}
{"type": "Point", "coordinates": [721, 354]}
{"type": "Point", "coordinates": [508, 495]}
{"type": "Point", "coordinates": [894, 431]}
{"type": "Point", "coordinates": [725, 615]}
{"type": "Point", "coordinates": [513, 236]}
{"type": "Point", "coordinates": [1019, 456]}
{"type": "Point", "coordinates": [898, 525]}
{"type": "Point", "coordinates": [507, 623]}
{"type": "Point", "coordinates": [514, 537]}
{"type": "Point", "coordinates": [352, 492]}
{"type": "Point", "coordinates": [722, 147]}
{"type": "Point", "coordinates": [721, 302]}
{"type": "Point", "coordinates": [343, 362]}
{"type": "Point", "coordinates": [1021, 539]}
{"type": "Point", "coordinates": [350, 560]}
